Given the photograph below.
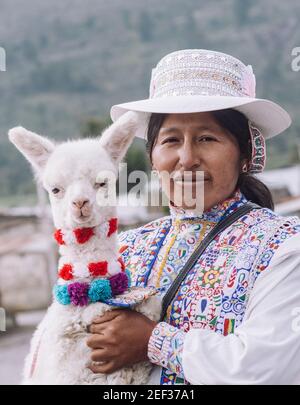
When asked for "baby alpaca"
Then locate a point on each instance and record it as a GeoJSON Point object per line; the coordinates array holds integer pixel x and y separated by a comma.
{"type": "Point", "coordinates": [79, 176]}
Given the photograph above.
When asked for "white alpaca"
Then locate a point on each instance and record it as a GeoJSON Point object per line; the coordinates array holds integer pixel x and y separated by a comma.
{"type": "Point", "coordinates": [75, 174]}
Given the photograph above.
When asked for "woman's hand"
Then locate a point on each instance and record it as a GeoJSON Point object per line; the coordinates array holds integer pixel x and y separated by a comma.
{"type": "Point", "coordinates": [119, 339]}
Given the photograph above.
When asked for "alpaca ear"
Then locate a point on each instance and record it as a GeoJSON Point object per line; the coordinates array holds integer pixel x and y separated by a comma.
{"type": "Point", "coordinates": [35, 148]}
{"type": "Point", "coordinates": [117, 138]}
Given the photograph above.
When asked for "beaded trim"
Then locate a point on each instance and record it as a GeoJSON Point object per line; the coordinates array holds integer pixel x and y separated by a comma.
{"type": "Point", "coordinates": [258, 154]}
{"type": "Point", "coordinates": [100, 290]}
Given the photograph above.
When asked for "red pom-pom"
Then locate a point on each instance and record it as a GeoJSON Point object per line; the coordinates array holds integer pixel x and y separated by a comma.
{"type": "Point", "coordinates": [66, 272]}
{"type": "Point", "coordinates": [82, 235]}
{"type": "Point", "coordinates": [120, 260]}
{"type": "Point", "coordinates": [113, 226]}
{"type": "Point", "coordinates": [98, 269]}
{"type": "Point", "coordinates": [58, 236]}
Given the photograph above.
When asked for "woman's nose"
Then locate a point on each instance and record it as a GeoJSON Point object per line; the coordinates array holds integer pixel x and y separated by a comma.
{"type": "Point", "coordinates": [189, 156]}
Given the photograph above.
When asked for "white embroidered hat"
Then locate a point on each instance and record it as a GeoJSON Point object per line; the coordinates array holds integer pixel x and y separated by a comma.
{"type": "Point", "coordinates": [199, 80]}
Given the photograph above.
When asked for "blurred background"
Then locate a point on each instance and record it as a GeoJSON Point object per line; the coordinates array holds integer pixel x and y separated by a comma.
{"type": "Point", "coordinates": [67, 62]}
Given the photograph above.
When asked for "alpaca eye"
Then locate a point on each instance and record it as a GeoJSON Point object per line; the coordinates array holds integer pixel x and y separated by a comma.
{"type": "Point", "coordinates": [55, 190]}
{"type": "Point", "coordinates": [99, 185]}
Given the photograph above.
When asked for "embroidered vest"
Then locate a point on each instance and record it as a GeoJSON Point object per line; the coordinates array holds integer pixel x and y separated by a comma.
{"type": "Point", "coordinates": [215, 294]}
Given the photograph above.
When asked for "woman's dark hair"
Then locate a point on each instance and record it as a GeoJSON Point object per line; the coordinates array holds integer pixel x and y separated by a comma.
{"type": "Point", "coordinates": [237, 124]}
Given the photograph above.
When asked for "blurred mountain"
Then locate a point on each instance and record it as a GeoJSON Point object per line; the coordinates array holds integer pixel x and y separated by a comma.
{"type": "Point", "coordinates": [69, 61]}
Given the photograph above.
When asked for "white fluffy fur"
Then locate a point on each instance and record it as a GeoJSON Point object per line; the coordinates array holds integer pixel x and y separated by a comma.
{"type": "Point", "coordinates": [72, 167]}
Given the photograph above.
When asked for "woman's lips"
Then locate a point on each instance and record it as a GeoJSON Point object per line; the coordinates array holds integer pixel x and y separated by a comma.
{"type": "Point", "coordinates": [192, 181]}
{"type": "Point", "coordinates": [191, 177]}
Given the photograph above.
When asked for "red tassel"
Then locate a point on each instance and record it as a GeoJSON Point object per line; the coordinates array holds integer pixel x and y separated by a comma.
{"type": "Point", "coordinates": [98, 269]}
{"type": "Point", "coordinates": [82, 235]}
{"type": "Point", "coordinates": [66, 272]}
{"type": "Point", "coordinates": [58, 236]}
{"type": "Point", "coordinates": [113, 226]}
{"type": "Point", "coordinates": [120, 260]}
{"type": "Point", "coordinates": [123, 248]}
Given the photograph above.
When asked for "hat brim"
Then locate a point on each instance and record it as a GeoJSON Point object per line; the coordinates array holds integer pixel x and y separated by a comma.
{"type": "Point", "coordinates": [269, 117]}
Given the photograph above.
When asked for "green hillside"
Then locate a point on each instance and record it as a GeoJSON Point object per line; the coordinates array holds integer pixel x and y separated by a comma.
{"type": "Point", "coordinates": [69, 61]}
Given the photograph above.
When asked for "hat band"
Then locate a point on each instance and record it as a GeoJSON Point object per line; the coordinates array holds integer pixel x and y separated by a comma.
{"type": "Point", "coordinates": [181, 82]}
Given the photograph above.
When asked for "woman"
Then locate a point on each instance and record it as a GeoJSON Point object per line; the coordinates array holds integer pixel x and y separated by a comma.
{"type": "Point", "coordinates": [232, 320]}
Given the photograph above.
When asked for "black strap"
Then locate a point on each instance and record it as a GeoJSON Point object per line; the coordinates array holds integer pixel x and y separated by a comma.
{"type": "Point", "coordinates": [223, 224]}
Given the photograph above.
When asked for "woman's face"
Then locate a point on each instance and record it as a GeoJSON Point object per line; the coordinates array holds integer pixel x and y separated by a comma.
{"type": "Point", "coordinates": [192, 143]}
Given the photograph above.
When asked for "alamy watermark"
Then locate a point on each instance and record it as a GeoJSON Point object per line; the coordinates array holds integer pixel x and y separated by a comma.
{"type": "Point", "coordinates": [296, 61]}
{"type": "Point", "coordinates": [184, 189]}
{"type": "Point", "coordinates": [2, 320]}
{"type": "Point", "coordinates": [2, 60]}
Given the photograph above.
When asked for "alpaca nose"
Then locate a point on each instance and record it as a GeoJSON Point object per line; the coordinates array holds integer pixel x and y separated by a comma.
{"type": "Point", "coordinates": [80, 203]}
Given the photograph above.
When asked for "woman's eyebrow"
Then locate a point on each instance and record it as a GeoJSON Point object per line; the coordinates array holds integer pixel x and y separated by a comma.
{"type": "Point", "coordinates": [169, 130]}
{"type": "Point", "coordinates": [205, 128]}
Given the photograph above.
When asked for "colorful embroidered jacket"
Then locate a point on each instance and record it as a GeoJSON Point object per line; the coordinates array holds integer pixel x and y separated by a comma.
{"type": "Point", "coordinates": [215, 295]}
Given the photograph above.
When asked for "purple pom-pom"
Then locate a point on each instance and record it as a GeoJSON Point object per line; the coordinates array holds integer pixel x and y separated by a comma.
{"type": "Point", "coordinates": [119, 283]}
{"type": "Point", "coordinates": [78, 293]}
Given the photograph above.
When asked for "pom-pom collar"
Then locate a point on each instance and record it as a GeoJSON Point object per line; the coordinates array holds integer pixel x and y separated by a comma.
{"type": "Point", "coordinates": [83, 235]}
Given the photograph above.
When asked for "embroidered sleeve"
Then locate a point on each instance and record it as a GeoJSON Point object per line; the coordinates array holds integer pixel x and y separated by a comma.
{"type": "Point", "coordinates": [166, 346]}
